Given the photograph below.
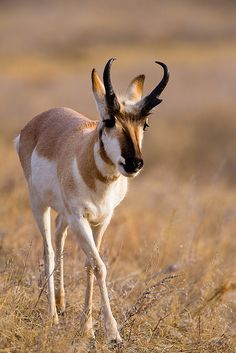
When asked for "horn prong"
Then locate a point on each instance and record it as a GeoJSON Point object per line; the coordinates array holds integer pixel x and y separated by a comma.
{"type": "Point", "coordinates": [152, 99]}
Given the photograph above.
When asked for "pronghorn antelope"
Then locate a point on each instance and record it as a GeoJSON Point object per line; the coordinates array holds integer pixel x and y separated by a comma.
{"type": "Point", "coordinates": [79, 167]}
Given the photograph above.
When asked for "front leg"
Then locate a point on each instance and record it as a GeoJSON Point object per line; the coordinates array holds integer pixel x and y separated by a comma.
{"type": "Point", "coordinates": [86, 317]}
{"type": "Point", "coordinates": [83, 231]}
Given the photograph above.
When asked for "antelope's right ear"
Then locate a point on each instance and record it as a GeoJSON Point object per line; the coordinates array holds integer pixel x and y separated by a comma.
{"type": "Point", "coordinates": [99, 93]}
{"type": "Point", "coordinates": [135, 90]}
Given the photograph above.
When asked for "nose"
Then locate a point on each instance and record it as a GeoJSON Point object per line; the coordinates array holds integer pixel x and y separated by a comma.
{"type": "Point", "coordinates": [132, 165]}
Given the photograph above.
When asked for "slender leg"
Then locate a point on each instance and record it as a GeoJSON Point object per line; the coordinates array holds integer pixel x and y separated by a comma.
{"type": "Point", "coordinates": [86, 322]}
{"type": "Point", "coordinates": [42, 217]}
{"type": "Point", "coordinates": [86, 317]}
{"type": "Point", "coordinates": [82, 229]}
{"type": "Point", "coordinates": [60, 237]}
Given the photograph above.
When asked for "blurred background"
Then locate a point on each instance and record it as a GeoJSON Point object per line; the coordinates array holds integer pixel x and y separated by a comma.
{"type": "Point", "coordinates": [180, 213]}
{"type": "Point", "coordinates": [49, 48]}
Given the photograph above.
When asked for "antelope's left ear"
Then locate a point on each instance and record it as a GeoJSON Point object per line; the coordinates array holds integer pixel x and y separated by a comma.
{"type": "Point", "coordinates": [99, 92]}
{"type": "Point", "coordinates": [135, 90]}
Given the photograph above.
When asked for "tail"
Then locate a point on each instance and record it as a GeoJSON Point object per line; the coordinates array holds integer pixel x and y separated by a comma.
{"type": "Point", "coordinates": [17, 143]}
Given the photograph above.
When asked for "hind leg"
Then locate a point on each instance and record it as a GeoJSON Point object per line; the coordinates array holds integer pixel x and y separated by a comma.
{"type": "Point", "coordinates": [42, 217]}
{"type": "Point", "coordinates": [60, 237]}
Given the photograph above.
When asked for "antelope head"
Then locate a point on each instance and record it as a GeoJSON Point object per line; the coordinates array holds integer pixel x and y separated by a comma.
{"type": "Point", "coordinates": [123, 120]}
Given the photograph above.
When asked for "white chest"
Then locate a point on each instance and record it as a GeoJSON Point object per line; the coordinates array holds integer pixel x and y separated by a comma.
{"type": "Point", "coordinates": [99, 204]}
{"type": "Point", "coordinates": [94, 205]}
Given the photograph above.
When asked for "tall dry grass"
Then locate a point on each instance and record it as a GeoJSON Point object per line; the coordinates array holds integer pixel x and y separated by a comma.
{"type": "Point", "coordinates": [170, 249]}
{"type": "Point", "coordinates": [171, 264]}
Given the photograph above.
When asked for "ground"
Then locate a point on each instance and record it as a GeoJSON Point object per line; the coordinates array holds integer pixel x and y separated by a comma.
{"type": "Point", "coordinates": [170, 248]}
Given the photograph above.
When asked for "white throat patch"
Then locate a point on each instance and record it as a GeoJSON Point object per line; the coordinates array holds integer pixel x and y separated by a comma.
{"type": "Point", "coordinates": [104, 168]}
{"type": "Point", "coordinates": [112, 147]}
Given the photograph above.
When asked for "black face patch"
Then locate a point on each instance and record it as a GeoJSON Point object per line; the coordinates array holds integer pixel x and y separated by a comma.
{"type": "Point", "coordinates": [127, 129]}
{"type": "Point", "coordinates": [127, 145]}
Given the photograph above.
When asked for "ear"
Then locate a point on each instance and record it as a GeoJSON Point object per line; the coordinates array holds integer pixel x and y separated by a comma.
{"type": "Point", "coordinates": [99, 93]}
{"type": "Point", "coordinates": [135, 90]}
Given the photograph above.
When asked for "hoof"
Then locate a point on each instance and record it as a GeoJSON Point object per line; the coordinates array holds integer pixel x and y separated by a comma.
{"type": "Point", "coordinates": [115, 339]}
{"type": "Point", "coordinates": [112, 333]}
{"type": "Point", "coordinates": [61, 311]}
{"type": "Point", "coordinates": [88, 333]}
{"type": "Point", "coordinates": [86, 326]}
{"type": "Point", "coordinates": [55, 320]}
{"type": "Point", "coordinates": [60, 304]}
{"type": "Point", "coordinates": [115, 342]}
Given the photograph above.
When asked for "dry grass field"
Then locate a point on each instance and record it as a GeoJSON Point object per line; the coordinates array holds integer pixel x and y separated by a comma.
{"type": "Point", "coordinates": [170, 249]}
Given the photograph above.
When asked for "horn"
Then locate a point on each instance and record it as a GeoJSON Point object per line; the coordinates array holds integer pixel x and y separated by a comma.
{"type": "Point", "coordinates": [111, 99]}
{"type": "Point", "coordinates": [152, 100]}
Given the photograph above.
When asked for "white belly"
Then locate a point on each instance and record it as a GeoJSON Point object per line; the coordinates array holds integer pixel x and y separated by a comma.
{"type": "Point", "coordinates": [44, 182]}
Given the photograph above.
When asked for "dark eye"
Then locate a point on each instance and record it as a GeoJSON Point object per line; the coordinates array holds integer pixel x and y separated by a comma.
{"type": "Point", "coordinates": [110, 122]}
{"type": "Point", "coordinates": [145, 126]}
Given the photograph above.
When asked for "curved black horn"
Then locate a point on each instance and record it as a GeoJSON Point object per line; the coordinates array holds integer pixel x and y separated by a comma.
{"type": "Point", "coordinates": [111, 99]}
{"type": "Point", "coordinates": [161, 86]}
{"type": "Point", "coordinates": [152, 100]}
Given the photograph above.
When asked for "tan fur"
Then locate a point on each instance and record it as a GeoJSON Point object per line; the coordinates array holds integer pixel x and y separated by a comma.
{"type": "Point", "coordinates": [135, 90]}
{"type": "Point", "coordinates": [133, 130]}
{"type": "Point", "coordinates": [86, 162]}
{"type": "Point", "coordinates": [58, 135]}
{"type": "Point", "coordinates": [48, 132]}
{"type": "Point", "coordinates": [97, 85]}
{"type": "Point", "coordinates": [127, 123]}
{"type": "Point", "coordinates": [79, 168]}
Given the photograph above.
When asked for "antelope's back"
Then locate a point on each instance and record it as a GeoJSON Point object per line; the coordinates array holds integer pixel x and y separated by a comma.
{"type": "Point", "coordinates": [49, 133]}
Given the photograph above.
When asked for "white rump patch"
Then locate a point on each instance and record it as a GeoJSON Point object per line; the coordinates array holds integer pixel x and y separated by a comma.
{"type": "Point", "coordinates": [17, 143]}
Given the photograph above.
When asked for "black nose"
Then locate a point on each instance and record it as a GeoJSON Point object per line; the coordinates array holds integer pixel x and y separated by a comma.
{"type": "Point", "coordinates": [132, 165]}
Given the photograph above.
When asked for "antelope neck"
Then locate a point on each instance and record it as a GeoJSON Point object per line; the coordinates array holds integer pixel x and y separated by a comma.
{"type": "Point", "coordinates": [106, 168]}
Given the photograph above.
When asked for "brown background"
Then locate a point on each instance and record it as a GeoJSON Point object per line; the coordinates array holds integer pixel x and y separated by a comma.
{"type": "Point", "coordinates": [179, 216]}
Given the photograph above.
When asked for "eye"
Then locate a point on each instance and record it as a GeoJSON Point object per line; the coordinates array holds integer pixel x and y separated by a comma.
{"type": "Point", "coordinates": [111, 122]}
{"type": "Point", "coordinates": [145, 126]}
